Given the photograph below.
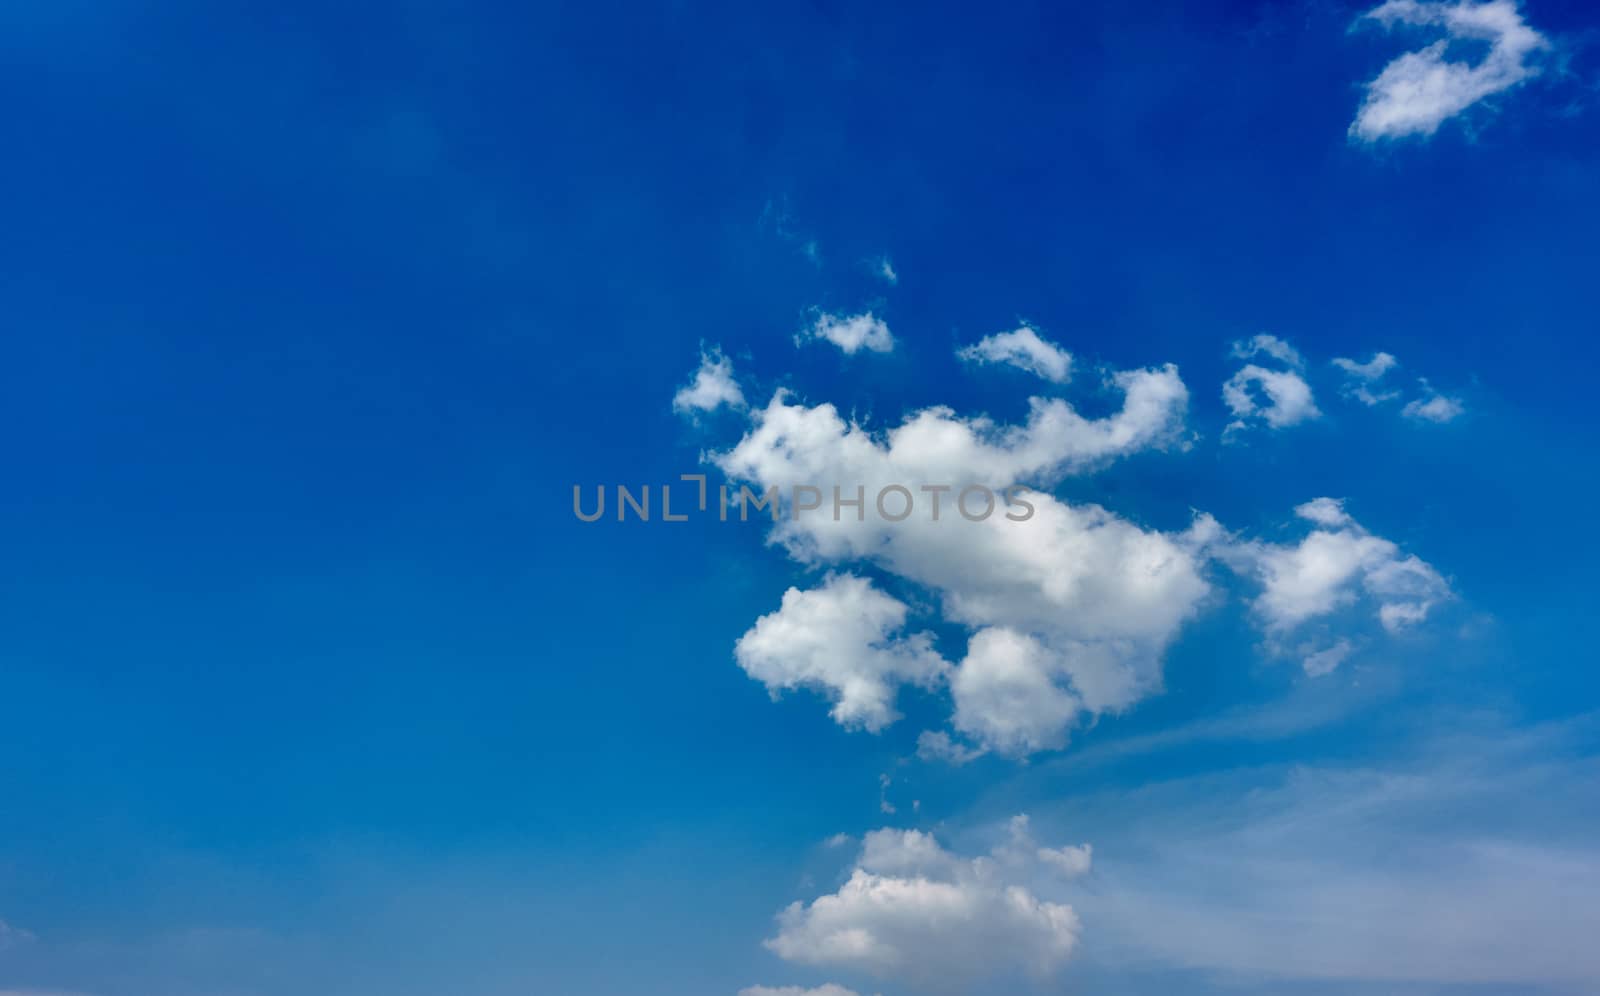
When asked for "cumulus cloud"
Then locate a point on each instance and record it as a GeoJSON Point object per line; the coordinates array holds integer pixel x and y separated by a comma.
{"type": "Point", "coordinates": [1287, 400]}
{"type": "Point", "coordinates": [1068, 610]}
{"type": "Point", "coordinates": [1422, 89]}
{"type": "Point", "coordinates": [1259, 395]}
{"type": "Point", "coordinates": [712, 386]}
{"type": "Point", "coordinates": [1362, 379]}
{"type": "Point", "coordinates": [1012, 693]}
{"type": "Point", "coordinates": [1024, 349]}
{"type": "Point", "coordinates": [1330, 569]}
{"type": "Point", "coordinates": [1269, 345]}
{"type": "Point", "coordinates": [841, 639]}
{"type": "Point", "coordinates": [1433, 407]}
{"type": "Point", "coordinates": [1091, 599]}
{"type": "Point", "coordinates": [914, 911]}
{"type": "Point", "coordinates": [792, 443]}
{"type": "Point", "coordinates": [851, 333]}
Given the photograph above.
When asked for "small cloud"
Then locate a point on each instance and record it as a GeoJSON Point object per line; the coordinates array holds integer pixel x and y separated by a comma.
{"type": "Point", "coordinates": [1361, 379]}
{"type": "Point", "coordinates": [1288, 399]}
{"type": "Point", "coordinates": [884, 805]}
{"type": "Point", "coordinates": [937, 745]}
{"type": "Point", "coordinates": [884, 270]}
{"type": "Point", "coordinates": [1324, 512]}
{"type": "Point", "coordinates": [712, 387]}
{"type": "Point", "coordinates": [1320, 662]}
{"type": "Point", "coordinates": [1420, 90]}
{"type": "Point", "coordinates": [1268, 345]}
{"type": "Point", "coordinates": [1435, 407]}
{"type": "Point", "coordinates": [851, 333]}
{"type": "Point", "coordinates": [1380, 364]}
{"type": "Point", "coordinates": [1025, 350]}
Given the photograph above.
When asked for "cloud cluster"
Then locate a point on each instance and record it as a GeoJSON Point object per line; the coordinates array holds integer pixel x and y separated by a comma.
{"type": "Point", "coordinates": [911, 909]}
{"type": "Point", "coordinates": [1420, 90]}
{"type": "Point", "coordinates": [1024, 349]}
{"type": "Point", "coordinates": [1070, 610]}
{"type": "Point", "coordinates": [1066, 614]}
{"type": "Point", "coordinates": [1364, 383]}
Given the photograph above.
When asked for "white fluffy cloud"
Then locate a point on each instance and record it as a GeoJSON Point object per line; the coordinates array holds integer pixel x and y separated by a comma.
{"type": "Point", "coordinates": [1011, 693]}
{"type": "Point", "coordinates": [1093, 597]}
{"type": "Point", "coordinates": [1068, 612]}
{"type": "Point", "coordinates": [841, 639]}
{"type": "Point", "coordinates": [1259, 395]}
{"type": "Point", "coordinates": [1420, 90]}
{"type": "Point", "coordinates": [1024, 349]}
{"type": "Point", "coordinates": [912, 910]}
{"type": "Point", "coordinates": [850, 333]}
{"type": "Point", "coordinates": [792, 443]}
{"type": "Point", "coordinates": [1330, 569]}
{"type": "Point", "coordinates": [1288, 399]}
{"type": "Point", "coordinates": [1362, 379]}
{"type": "Point", "coordinates": [712, 386]}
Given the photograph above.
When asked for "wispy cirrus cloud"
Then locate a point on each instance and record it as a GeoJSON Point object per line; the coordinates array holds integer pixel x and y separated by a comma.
{"type": "Point", "coordinates": [1454, 863]}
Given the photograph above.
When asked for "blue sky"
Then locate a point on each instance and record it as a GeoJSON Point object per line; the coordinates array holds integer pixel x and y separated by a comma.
{"type": "Point", "coordinates": [315, 315]}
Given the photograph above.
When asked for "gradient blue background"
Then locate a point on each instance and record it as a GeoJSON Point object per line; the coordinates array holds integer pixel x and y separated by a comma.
{"type": "Point", "coordinates": [311, 315]}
